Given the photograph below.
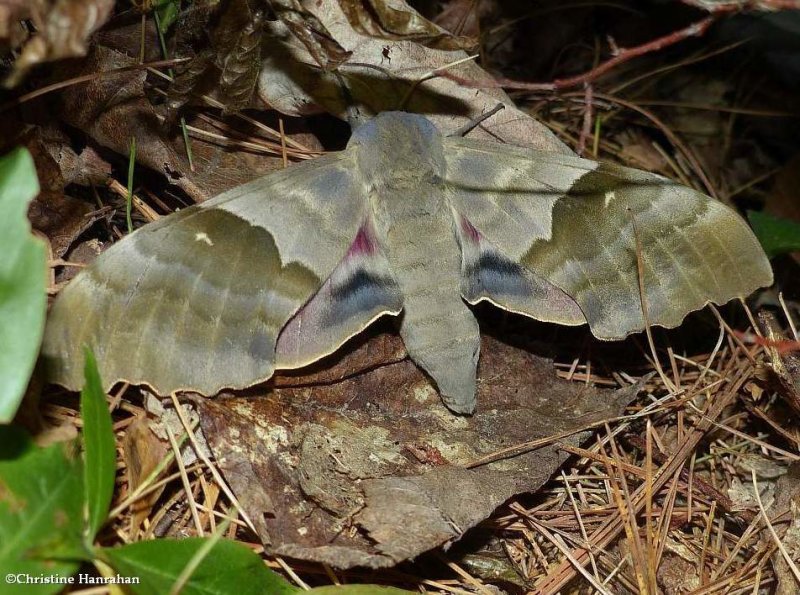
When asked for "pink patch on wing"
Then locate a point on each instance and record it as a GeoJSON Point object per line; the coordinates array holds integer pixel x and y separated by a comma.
{"type": "Point", "coordinates": [364, 242]}
{"type": "Point", "coordinates": [470, 231]}
{"type": "Point", "coordinates": [306, 320]}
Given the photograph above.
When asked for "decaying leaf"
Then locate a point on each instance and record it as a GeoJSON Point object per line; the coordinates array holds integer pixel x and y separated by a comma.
{"type": "Point", "coordinates": [463, 17]}
{"type": "Point", "coordinates": [113, 109]}
{"type": "Point", "coordinates": [396, 20]}
{"type": "Point", "coordinates": [327, 465]}
{"type": "Point", "coordinates": [143, 452]}
{"type": "Point", "coordinates": [785, 366]}
{"type": "Point", "coordinates": [239, 33]}
{"type": "Point", "coordinates": [228, 57]}
{"type": "Point", "coordinates": [383, 76]}
{"type": "Point", "coordinates": [677, 575]}
{"type": "Point", "coordinates": [328, 53]}
{"type": "Point", "coordinates": [225, 41]}
{"type": "Point", "coordinates": [63, 28]}
{"type": "Point", "coordinates": [60, 217]}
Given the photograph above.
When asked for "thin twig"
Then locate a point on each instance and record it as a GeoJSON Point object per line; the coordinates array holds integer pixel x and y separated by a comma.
{"type": "Point", "coordinates": [86, 78]}
{"type": "Point", "coordinates": [622, 55]}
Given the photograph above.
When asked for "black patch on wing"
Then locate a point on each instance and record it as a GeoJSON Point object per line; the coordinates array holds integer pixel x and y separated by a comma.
{"type": "Point", "coordinates": [360, 292]}
{"type": "Point", "coordinates": [494, 274]}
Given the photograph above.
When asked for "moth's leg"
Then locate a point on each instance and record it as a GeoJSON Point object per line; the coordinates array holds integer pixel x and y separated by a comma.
{"type": "Point", "coordinates": [354, 116]}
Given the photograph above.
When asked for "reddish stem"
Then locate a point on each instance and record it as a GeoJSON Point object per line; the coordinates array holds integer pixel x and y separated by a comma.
{"type": "Point", "coordinates": [624, 54]}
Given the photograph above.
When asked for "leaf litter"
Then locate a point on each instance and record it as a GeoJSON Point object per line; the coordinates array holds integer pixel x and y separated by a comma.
{"type": "Point", "coordinates": [660, 499]}
{"type": "Point", "coordinates": [371, 469]}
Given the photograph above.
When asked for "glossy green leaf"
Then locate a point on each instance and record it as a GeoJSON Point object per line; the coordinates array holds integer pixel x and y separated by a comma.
{"type": "Point", "coordinates": [41, 512]}
{"type": "Point", "coordinates": [23, 300]}
{"type": "Point", "coordinates": [229, 567]}
{"type": "Point", "coordinates": [100, 454]}
{"type": "Point", "coordinates": [776, 234]}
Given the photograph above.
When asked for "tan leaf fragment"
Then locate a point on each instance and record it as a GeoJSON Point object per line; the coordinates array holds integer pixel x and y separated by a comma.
{"type": "Point", "coordinates": [63, 29]}
{"type": "Point", "coordinates": [395, 20]}
{"type": "Point", "coordinates": [311, 32]}
{"type": "Point", "coordinates": [143, 452]}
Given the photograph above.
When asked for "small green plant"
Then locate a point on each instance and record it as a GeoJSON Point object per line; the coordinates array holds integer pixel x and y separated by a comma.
{"type": "Point", "coordinates": [776, 234]}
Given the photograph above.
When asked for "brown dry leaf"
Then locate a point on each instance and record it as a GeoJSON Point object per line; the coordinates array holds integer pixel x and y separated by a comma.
{"type": "Point", "coordinates": [362, 465]}
{"type": "Point", "coordinates": [142, 452]}
{"type": "Point", "coordinates": [228, 58]}
{"type": "Point", "coordinates": [83, 254]}
{"type": "Point", "coordinates": [677, 575]}
{"type": "Point", "coordinates": [220, 165]}
{"type": "Point", "coordinates": [12, 13]}
{"type": "Point", "coordinates": [63, 29]}
{"type": "Point", "coordinates": [60, 217]}
{"type": "Point", "coordinates": [225, 42]}
{"type": "Point", "coordinates": [639, 151]}
{"type": "Point", "coordinates": [238, 41]}
{"type": "Point", "coordinates": [785, 366]}
{"type": "Point", "coordinates": [380, 74]}
{"type": "Point", "coordinates": [114, 109]}
{"type": "Point", "coordinates": [787, 500]}
{"type": "Point", "coordinates": [395, 20]}
{"type": "Point", "coordinates": [311, 32]}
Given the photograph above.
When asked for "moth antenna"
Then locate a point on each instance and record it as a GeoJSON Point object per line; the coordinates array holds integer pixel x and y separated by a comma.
{"type": "Point", "coordinates": [354, 116]}
{"type": "Point", "coordinates": [472, 124]}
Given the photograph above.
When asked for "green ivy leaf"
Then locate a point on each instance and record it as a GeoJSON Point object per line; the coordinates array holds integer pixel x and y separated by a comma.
{"type": "Point", "coordinates": [228, 567]}
{"type": "Point", "coordinates": [23, 299]}
{"type": "Point", "coordinates": [100, 455]}
{"type": "Point", "coordinates": [776, 234]}
{"type": "Point", "coordinates": [41, 512]}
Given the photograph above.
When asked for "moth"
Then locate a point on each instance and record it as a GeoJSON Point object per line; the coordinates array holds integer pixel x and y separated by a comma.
{"type": "Point", "coordinates": [407, 222]}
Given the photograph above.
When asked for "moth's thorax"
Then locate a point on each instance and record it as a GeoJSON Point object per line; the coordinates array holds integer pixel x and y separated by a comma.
{"type": "Point", "coordinates": [398, 150]}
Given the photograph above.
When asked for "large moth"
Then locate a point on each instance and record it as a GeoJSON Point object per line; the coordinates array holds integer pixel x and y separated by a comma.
{"type": "Point", "coordinates": [279, 272]}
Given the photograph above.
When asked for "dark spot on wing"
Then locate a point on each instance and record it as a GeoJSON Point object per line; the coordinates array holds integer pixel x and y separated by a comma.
{"type": "Point", "coordinates": [362, 292]}
{"type": "Point", "coordinates": [493, 274]}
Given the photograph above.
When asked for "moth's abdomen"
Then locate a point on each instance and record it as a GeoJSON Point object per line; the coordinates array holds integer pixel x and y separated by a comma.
{"type": "Point", "coordinates": [438, 329]}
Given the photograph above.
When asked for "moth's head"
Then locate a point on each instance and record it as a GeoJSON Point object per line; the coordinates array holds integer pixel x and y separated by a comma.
{"type": "Point", "coordinates": [399, 149]}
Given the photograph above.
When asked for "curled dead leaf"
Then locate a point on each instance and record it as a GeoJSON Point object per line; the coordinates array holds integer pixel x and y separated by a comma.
{"type": "Point", "coordinates": [63, 29]}
{"type": "Point", "coordinates": [396, 20]}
